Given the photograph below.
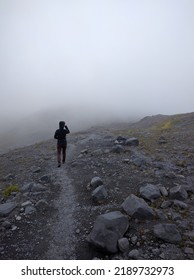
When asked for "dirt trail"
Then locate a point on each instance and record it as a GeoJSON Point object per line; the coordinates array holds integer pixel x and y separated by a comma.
{"type": "Point", "coordinates": [63, 227]}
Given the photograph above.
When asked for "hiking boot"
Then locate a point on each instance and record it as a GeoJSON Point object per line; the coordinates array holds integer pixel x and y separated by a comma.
{"type": "Point", "coordinates": [59, 165]}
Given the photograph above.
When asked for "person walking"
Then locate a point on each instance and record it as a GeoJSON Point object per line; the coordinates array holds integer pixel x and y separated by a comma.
{"type": "Point", "coordinates": [60, 135]}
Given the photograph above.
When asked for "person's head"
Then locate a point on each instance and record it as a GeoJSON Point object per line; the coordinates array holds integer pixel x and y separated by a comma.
{"type": "Point", "coordinates": [61, 124]}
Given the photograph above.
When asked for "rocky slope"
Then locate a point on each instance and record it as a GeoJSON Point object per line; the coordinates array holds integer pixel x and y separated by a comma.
{"type": "Point", "coordinates": [141, 175]}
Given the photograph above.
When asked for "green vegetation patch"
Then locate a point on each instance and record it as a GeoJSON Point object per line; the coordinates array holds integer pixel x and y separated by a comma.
{"type": "Point", "coordinates": [9, 190]}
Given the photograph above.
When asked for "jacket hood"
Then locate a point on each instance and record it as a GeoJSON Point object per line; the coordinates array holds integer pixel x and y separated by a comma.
{"type": "Point", "coordinates": [61, 124]}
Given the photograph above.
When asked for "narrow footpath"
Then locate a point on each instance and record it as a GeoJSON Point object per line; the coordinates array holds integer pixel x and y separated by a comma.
{"type": "Point", "coordinates": [63, 227]}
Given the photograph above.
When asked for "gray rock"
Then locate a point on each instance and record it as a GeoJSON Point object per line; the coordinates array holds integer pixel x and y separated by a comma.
{"type": "Point", "coordinates": [156, 251]}
{"type": "Point", "coordinates": [96, 181]}
{"type": "Point", "coordinates": [6, 224]}
{"type": "Point", "coordinates": [189, 188]}
{"type": "Point", "coordinates": [99, 194]}
{"type": "Point", "coordinates": [26, 203]}
{"type": "Point", "coordinates": [137, 208]}
{"type": "Point", "coordinates": [32, 187]}
{"type": "Point", "coordinates": [42, 204]}
{"type": "Point", "coordinates": [29, 210]}
{"type": "Point", "coordinates": [117, 149]}
{"type": "Point", "coordinates": [161, 215]}
{"type": "Point", "coordinates": [183, 224]}
{"type": "Point", "coordinates": [45, 179]}
{"type": "Point", "coordinates": [18, 218]}
{"type": "Point", "coordinates": [176, 216]}
{"type": "Point", "coordinates": [190, 235]}
{"type": "Point", "coordinates": [178, 192]}
{"type": "Point", "coordinates": [132, 142]}
{"type": "Point", "coordinates": [7, 208]}
{"type": "Point", "coordinates": [166, 204]}
{"type": "Point", "coordinates": [162, 140]}
{"type": "Point", "coordinates": [126, 160]}
{"type": "Point", "coordinates": [97, 152]}
{"type": "Point", "coordinates": [180, 204]}
{"type": "Point", "coordinates": [167, 232]}
{"type": "Point", "coordinates": [120, 140]}
{"type": "Point", "coordinates": [134, 240]}
{"type": "Point", "coordinates": [188, 250]}
{"type": "Point", "coordinates": [108, 229]}
{"type": "Point", "coordinates": [9, 177]}
{"type": "Point", "coordinates": [150, 192]}
{"type": "Point", "coordinates": [36, 170]}
{"type": "Point", "coordinates": [138, 160]}
{"type": "Point", "coordinates": [134, 254]}
{"type": "Point", "coordinates": [85, 151]}
{"type": "Point", "coordinates": [163, 191]}
{"type": "Point", "coordinates": [123, 244]}
{"type": "Point", "coordinates": [170, 174]}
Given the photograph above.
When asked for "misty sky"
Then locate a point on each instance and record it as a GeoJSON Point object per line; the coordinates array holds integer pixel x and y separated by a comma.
{"type": "Point", "coordinates": [121, 56]}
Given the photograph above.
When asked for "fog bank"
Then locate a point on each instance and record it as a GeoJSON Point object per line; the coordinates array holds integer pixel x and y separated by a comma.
{"type": "Point", "coordinates": [90, 61]}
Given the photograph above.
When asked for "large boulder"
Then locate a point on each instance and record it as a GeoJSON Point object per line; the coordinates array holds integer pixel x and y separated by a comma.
{"type": "Point", "coordinates": [137, 208]}
{"type": "Point", "coordinates": [178, 192]}
{"type": "Point", "coordinates": [108, 229]}
{"type": "Point", "coordinates": [150, 192]}
{"type": "Point", "coordinates": [167, 232]}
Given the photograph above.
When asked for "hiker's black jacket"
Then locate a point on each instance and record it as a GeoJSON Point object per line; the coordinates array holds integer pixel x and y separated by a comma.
{"type": "Point", "coordinates": [60, 135]}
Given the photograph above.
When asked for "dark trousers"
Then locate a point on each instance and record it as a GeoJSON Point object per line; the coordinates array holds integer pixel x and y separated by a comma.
{"type": "Point", "coordinates": [61, 152]}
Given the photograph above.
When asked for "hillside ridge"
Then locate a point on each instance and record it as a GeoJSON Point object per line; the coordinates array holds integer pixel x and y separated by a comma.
{"type": "Point", "coordinates": [128, 159]}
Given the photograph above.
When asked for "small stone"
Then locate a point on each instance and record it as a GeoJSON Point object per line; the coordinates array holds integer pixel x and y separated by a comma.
{"type": "Point", "coordinates": [123, 244]}
{"type": "Point", "coordinates": [78, 231]}
{"type": "Point", "coordinates": [163, 191]}
{"type": "Point", "coordinates": [6, 224]}
{"type": "Point", "coordinates": [162, 256]}
{"type": "Point", "coordinates": [14, 228]}
{"type": "Point", "coordinates": [36, 170]}
{"type": "Point", "coordinates": [188, 250]}
{"type": "Point", "coordinates": [45, 179]}
{"type": "Point", "coordinates": [8, 177]}
{"type": "Point", "coordinates": [18, 218]}
{"type": "Point", "coordinates": [134, 240]}
{"type": "Point", "coordinates": [180, 204]}
{"type": "Point", "coordinates": [166, 204]}
{"type": "Point", "coordinates": [178, 192]}
{"type": "Point", "coordinates": [29, 210]}
{"type": "Point", "coordinates": [85, 151]}
{"type": "Point", "coordinates": [156, 251]}
{"type": "Point", "coordinates": [127, 160]}
{"type": "Point", "coordinates": [96, 181]}
{"type": "Point", "coordinates": [26, 203]}
{"type": "Point", "coordinates": [42, 204]}
{"type": "Point", "coordinates": [134, 254]}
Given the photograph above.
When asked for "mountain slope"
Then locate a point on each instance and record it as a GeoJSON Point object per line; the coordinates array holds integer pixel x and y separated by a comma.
{"type": "Point", "coordinates": [55, 210]}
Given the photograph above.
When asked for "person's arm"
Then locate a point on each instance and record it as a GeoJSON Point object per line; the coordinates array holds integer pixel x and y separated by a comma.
{"type": "Point", "coordinates": [67, 129]}
{"type": "Point", "coordinates": [56, 135]}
